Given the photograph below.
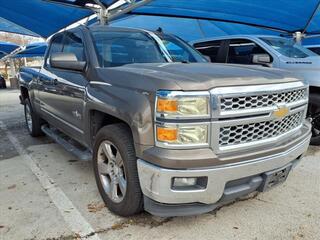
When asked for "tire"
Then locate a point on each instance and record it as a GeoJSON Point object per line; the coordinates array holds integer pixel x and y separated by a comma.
{"type": "Point", "coordinates": [3, 84]}
{"type": "Point", "coordinates": [33, 121]}
{"type": "Point", "coordinates": [314, 114]}
{"type": "Point", "coordinates": [114, 143]}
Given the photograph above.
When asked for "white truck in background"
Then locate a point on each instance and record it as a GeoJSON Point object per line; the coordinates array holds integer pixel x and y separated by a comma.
{"type": "Point", "coordinates": [274, 52]}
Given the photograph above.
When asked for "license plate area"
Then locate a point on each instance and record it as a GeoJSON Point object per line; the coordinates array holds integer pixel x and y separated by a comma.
{"type": "Point", "coordinates": [274, 178]}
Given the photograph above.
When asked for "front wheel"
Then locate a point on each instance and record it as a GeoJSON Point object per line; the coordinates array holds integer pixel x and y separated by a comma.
{"type": "Point", "coordinates": [115, 169]}
{"type": "Point", "coordinates": [33, 121]}
{"type": "Point", "coordinates": [314, 114]}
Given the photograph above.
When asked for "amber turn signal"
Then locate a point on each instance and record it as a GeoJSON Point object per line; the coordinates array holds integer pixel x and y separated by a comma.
{"type": "Point", "coordinates": [167, 105]}
{"type": "Point", "coordinates": [167, 134]}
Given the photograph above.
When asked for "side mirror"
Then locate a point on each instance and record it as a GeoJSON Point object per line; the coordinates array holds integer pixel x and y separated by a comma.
{"type": "Point", "coordinates": [262, 59]}
{"type": "Point", "coordinates": [67, 61]}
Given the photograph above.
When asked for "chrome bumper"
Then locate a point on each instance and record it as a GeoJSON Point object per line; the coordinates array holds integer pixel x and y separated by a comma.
{"type": "Point", "coordinates": [156, 181]}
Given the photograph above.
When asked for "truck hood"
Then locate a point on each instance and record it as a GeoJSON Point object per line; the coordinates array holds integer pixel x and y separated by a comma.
{"type": "Point", "coordinates": [191, 76]}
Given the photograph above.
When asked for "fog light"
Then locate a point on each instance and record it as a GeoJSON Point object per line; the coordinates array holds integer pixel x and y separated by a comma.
{"type": "Point", "coordinates": [184, 182]}
{"type": "Point", "coordinates": [189, 183]}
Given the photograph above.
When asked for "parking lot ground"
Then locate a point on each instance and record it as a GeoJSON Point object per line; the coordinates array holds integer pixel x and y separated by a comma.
{"type": "Point", "coordinates": [48, 194]}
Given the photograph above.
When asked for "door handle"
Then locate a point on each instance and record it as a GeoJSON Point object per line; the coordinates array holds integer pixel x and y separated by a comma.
{"type": "Point", "coordinates": [55, 81]}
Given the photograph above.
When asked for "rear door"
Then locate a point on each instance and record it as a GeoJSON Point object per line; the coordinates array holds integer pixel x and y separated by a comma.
{"type": "Point", "coordinates": [64, 102]}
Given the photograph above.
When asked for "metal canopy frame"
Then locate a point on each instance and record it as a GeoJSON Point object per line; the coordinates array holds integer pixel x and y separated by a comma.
{"type": "Point", "coordinates": [311, 18]}
{"type": "Point", "coordinates": [105, 12]}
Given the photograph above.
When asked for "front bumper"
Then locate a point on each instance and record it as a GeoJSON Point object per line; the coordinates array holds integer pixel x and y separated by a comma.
{"type": "Point", "coordinates": [156, 182]}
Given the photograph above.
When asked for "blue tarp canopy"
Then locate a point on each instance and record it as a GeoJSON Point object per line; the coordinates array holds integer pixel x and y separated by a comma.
{"type": "Point", "coordinates": [311, 41]}
{"type": "Point", "coordinates": [190, 29]}
{"type": "Point", "coordinates": [283, 15]}
{"type": "Point", "coordinates": [14, 28]}
{"type": "Point", "coordinates": [32, 50]}
{"type": "Point", "coordinates": [39, 17]}
{"type": "Point", "coordinates": [45, 18]}
{"type": "Point", "coordinates": [6, 48]}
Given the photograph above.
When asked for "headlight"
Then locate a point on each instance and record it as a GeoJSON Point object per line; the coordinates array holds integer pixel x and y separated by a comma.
{"type": "Point", "coordinates": [176, 104]}
{"type": "Point", "coordinates": [172, 134]}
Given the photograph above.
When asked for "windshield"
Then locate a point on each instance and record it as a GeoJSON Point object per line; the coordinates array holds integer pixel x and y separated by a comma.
{"type": "Point", "coordinates": [178, 50]}
{"type": "Point", "coordinates": [288, 47]}
{"type": "Point", "coordinates": [117, 48]}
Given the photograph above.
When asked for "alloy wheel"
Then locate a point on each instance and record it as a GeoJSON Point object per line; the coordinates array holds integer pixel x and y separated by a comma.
{"type": "Point", "coordinates": [111, 171]}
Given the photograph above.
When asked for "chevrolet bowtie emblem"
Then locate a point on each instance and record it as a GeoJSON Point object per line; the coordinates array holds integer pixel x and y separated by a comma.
{"type": "Point", "coordinates": [281, 112]}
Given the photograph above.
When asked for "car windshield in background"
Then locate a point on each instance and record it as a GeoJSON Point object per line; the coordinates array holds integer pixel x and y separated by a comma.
{"type": "Point", "coordinates": [115, 48]}
{"type": "Point", "coordinates": [288, 47]}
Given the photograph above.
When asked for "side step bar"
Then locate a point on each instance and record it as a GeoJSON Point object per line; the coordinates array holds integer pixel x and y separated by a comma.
{"type": "Point", "coordinates": [67, 143]}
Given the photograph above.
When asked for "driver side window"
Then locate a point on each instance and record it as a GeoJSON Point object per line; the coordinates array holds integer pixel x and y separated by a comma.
{"type": "Point", "coordinates": [73, 44]}
{"type": "Point", "coordinates": [68, 42]}
{"type": "Point", "coordinates": [55, 47]}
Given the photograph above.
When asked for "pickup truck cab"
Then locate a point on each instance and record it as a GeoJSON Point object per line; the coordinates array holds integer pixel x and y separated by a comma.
{"type": "Point", "coordinates": [273, 52]}
{"type": "Point", "coordinates": [167, 131]}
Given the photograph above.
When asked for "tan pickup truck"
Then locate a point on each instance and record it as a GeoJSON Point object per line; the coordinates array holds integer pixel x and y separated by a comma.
{"type": "Point", "coordinates": [167, 131]}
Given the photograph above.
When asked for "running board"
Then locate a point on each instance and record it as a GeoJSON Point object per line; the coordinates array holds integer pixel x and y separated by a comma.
{"type": "Point", "coordinates": [67, 143]}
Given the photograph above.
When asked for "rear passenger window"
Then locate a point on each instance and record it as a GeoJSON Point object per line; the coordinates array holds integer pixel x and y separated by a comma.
{"type": "Point", "coordinates": [209, 49]}
{"type": "Point", "coordinates": [73, 44]}
{"type": "Point", "coordinates": [241, 51]}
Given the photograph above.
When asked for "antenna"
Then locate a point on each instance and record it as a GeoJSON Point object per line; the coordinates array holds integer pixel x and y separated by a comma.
{"type": "Point", "coordinates": [159, 30]}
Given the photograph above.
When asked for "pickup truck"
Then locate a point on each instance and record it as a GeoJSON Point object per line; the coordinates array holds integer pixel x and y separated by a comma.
{"type": "Point", "coordinates": [274, 52]}
{"type": "Point", "coordinates": [167, 131]}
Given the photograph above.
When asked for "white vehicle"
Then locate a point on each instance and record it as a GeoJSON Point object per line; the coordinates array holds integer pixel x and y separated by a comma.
{"type": "Point", "coordinates": [270, 51]}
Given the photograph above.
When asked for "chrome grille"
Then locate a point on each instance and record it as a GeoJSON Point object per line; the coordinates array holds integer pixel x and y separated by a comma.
{"type": "Point", "coordinates": [246, 116]}
{"type": "Point", "coordinates": [240, 134]}
{"type": "Point", "coordinates": [260, 101]}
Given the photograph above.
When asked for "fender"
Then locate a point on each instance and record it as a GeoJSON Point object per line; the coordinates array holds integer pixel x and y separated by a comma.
{"type": "Point", "coordinates": [28, 84]}
{"type": "Point", "coordinates": [128, 105]}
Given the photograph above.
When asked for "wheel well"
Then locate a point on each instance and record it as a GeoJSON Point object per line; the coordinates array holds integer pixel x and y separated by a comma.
{"type": "Point", "coordinates": [24, 93]}
{"type": "Point", "coordinates": [100, 119]}
{"type": "Point", "coordinates": [314, 89]}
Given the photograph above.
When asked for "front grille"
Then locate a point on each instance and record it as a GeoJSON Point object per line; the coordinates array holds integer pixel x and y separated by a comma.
{"type": "Point", "coordinates": [251, 132]}
{"type": "Point", "coordinates": [259, 101]}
